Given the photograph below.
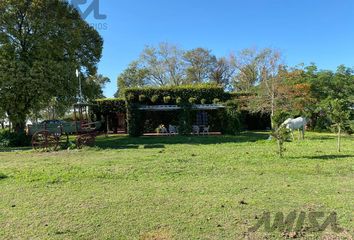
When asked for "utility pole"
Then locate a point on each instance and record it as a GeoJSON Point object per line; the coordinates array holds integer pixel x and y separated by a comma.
{"type": "Point", "coordinates": [80, 87]}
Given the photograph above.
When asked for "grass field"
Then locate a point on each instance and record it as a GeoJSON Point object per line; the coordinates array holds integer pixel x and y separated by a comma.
{"type": "Point", "coordinates": [175, 188]}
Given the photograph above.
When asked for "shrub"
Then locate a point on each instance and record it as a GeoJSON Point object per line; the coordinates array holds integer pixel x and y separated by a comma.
{"type": "Point", "coordinates": [154, 98]}
{"type": "Point", "coordinates": [178, 100]}
{"type": "Point", "coordinates": [11, 139]}
{"type": "Point", "coordinates": [130, 97]}
{"type": "Point", "coordinates": [203, 101]}
{"type": "Point", "coordinates": [216, 100]}
{"type": "Point", "coordinates": [166, 99]}
{"type": "Point", "coordinates": [281, 134]}
{"type": "Point", "coordinates": [192, 100]}
{"type": "Point", "coordinates": [142, 98]}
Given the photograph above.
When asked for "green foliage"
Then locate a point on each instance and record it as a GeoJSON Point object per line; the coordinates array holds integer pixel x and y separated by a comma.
{"type": "Point", "coordinates": [185, 120]}
{"type": "Point", "coordinates": [133, 76]}
{"type": "Point", "coordinates": [200, 65]}
{"type": "Point", "coordinates": [166, 99]}
{"type": "Point", "coordinates": [178, 100]}
{"type": "Point", "coordinates": [204, 91]}
{"type": "Point", "coordinates": [216, 100]}
{"type": "Point", "coordinates": [130, 97]}
{"type": "Point", "coordinates": [42, 43]}
{"type": "Point", "coordinates": [111, 105]}
{"type": "Point", "coordinates": [203, 101]}
{"type": "Point", "coordinates": [279, 117]}
{"type": "Point", "coordinates": [142, 98]}
{"type": "Point", "coordinates": [231, 119]}
{"type": "Point", "coordinates": [155, 98]}
{"type": "Point", "coordinates": [134, 121]}
{"type": "Point", "coordinates": [192, 100]}
{"type": "Point", "coordinates": [281, 134]}
{"type": "Point", "coordinates": [339, 114]}
{"type": "Point", "coordinates": [13, 139]}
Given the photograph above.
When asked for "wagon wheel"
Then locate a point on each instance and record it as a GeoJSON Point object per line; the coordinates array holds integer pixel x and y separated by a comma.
{"type": "Point", "coordinates": [86, 140]}
{"type": "Point", "coordinates": [63, 140]}
{"type": "Point", "coordinates": [44, 140]}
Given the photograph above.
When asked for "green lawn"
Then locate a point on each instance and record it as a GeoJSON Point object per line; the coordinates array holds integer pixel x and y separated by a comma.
{"type": "Point", "coordinates": [174, 188]}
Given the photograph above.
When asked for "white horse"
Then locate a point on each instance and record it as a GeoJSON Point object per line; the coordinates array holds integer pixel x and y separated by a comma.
{"type": "Point", "coordinates": [296, 124]}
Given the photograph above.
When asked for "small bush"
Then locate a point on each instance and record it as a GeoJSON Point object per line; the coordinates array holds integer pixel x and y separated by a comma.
{"type": "Point", "coordinates": [216, 101]}
{"type": "Point", "coordinates": [178, 100]}
{"type": "Point", "coordinates": [130, 97]}
{"type": "Point", "coordinates": [203, 101]}
{"type": "Point", "coordinates": [192, 100]}
{"type": "Point", "coordinates": [167, 99]}
{"type": "Point", "coordinates": [281, 134]}
{"type": "Point", "coordinates": [142, 98]}
{"type": "Point", "coordinates": [155, 98]}
{"type": "Point", "coordinates": [11, 139]}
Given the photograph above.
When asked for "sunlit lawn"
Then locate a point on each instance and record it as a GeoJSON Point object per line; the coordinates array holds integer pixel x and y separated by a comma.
{"type": "Point", "coordinates": [174, 188]}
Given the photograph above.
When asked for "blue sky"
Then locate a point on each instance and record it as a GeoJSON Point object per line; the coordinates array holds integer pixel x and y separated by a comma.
{"type": "Point", "coordinates": [320, 31]}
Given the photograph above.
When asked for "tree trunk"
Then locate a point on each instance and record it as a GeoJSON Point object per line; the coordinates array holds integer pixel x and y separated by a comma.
{"type": "Point", "coordinates": [19, 127]}
{"type": "Point", "coordinates": [280, 148]}
{"type": "Point", "coordinates": [339, 138]}
{"type": "Point", "coordinates": [272, 111]}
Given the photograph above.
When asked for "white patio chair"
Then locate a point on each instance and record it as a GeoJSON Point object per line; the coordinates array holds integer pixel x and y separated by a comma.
{"type": "Point", "coordinates": [172, 129]}
{"type": "Point", "coordinates": [206, 130]}
{"type": "Point", "coordinates": [195, 129]}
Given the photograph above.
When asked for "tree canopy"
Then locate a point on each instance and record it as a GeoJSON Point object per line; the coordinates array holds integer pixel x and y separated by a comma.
{"type": "Point", "coordinates": [42, 43]}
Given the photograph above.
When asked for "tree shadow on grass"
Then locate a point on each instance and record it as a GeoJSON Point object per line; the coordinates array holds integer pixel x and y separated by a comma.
{"type": "Point", "coordinates": [11, 149]}
{"type": "Point", "coordinates": [329, 157]}
{"type": "Point", "coordinates": [323, 157]}
{"type": "Point", "coordinates": [125, 142]}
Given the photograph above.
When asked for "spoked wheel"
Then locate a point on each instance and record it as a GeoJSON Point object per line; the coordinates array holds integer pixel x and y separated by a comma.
{"type": "Point", "coordinates": [87, 139]}
{"type": "Point", "coordinates": [63, 141]}
{"type": "Point", "coordinates": [44, 140]}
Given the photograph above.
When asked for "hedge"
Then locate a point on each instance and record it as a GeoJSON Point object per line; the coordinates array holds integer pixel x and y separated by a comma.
{"type": "Point", "coordinates": [111, 105]}
{"type": "Point", "coordinates": [175, 94]}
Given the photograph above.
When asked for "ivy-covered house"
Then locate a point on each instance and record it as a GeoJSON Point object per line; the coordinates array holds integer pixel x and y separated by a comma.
{"type": "Point", "coordinates": [145, 109]}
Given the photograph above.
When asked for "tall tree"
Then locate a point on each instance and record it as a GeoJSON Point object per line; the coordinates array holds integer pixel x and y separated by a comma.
{"type": "Point", "coordinates": [247, 70]}
{"type": "Point", "coordinates": [41, 44]}
{"type": "Point", "coordinates": [223, 71]}
{"type": "Point", "coordinates": [93, 85]}
{"type": "Point", "coordinates": [200, 64]}
{"type": "Point", "coordinates": [164, 64]}
{"type": "Point", "coordinates": [269, 89]}
{"type": "Point", "coordinates": [133, 76]}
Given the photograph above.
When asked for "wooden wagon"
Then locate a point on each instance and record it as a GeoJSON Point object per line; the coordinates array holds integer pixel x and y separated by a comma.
{"type": "Point", "coordinates": [54, 135]}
